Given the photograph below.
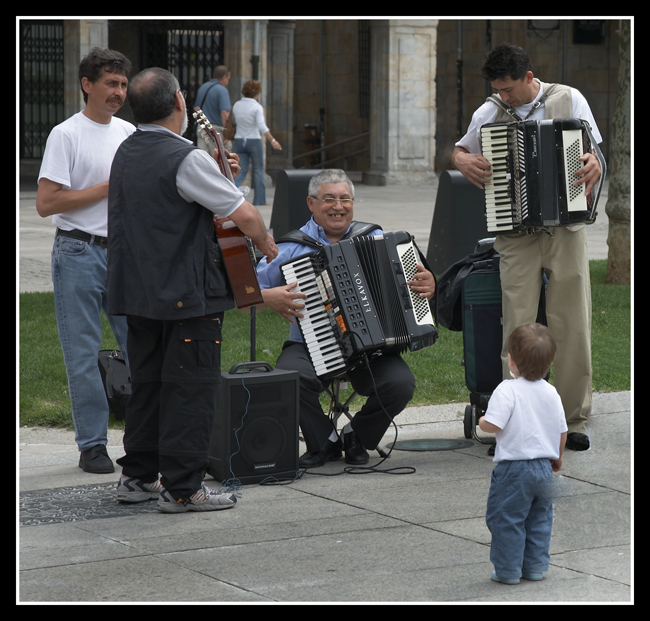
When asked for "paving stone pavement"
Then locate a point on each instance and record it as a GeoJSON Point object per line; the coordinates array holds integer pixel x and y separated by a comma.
{"type": "Point", "coordinates": [411, 531]}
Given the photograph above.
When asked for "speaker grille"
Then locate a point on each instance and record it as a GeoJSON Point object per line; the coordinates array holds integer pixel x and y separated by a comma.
{"type": "Point", "coordinates": [263, 441]}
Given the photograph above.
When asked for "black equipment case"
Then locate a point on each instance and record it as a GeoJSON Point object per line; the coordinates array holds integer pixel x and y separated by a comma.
{"type": "Point", "coordinates": [482, 338]}
{"type": "Point", "coordinates": [482, 317]}
{"type": "Point", "coordinates": [116, 379]}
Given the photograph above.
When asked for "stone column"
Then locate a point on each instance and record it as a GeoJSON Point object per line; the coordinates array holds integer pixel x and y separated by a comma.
{"type": "Point", "coordinates": [79, 36]}
{"type": "Point", "coordinates": [275, 72]}
{"type": "Point", "coordinates": [403, 119]}
{"type": "Point", "coordinates": [238, 54]}
{"type": "Point", "coordinates": [279, 96]}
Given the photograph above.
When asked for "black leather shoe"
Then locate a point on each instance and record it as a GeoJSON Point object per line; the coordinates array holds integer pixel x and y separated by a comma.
{"type": "Point", "coordinates": [577, 441]}
{"type": "Point", "coordinates": [330, 451]}
{"type": "Point", "coordinates": [96, 460]}
{"type": "Point", "coordinates": [355, 453]}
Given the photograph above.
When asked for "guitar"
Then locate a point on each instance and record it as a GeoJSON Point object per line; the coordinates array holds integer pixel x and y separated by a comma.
{"type": "Point", "coordinates": [238, 251]}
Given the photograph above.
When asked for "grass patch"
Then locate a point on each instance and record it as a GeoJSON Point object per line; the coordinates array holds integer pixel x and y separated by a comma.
{"type": "Point", "coordinates": [611, 353]}
{"type": "Point", "coordinates": [440, 378]}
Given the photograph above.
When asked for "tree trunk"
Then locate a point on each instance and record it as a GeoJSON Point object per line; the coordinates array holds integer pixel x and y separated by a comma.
{"type": "Point", "coordinates": [618, 203]}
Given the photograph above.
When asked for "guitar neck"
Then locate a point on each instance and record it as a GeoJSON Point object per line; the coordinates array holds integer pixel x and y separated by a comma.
{"type": "Point", "coordinates": [221, 160]}
{"type": "Point", "coordinates": [213, 139]}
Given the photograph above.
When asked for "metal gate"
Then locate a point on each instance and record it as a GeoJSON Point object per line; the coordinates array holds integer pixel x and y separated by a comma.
{"type": "Point", "coordinates": [41, 84]}
{"type": "Point", "coordinates": [191, 50]}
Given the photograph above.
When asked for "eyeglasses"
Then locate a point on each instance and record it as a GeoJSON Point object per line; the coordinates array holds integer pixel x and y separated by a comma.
{"type": "Point", "coordinates": [183, 94]}
{"type": "Point", "coordinates": [331, 202]}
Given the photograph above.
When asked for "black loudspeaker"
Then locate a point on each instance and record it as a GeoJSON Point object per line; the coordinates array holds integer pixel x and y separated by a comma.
{"type": "Point", "coordinates": [255, 431]}
{"type": "Point", "coordinates": [458, 221]}
{"type": "Point", "coordinates": [290, 209]}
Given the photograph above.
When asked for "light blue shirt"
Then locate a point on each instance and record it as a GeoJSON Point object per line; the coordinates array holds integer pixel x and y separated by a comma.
{"type": "Point", "coordinates": [270, 275]}
{"type": "Point", "coordinates": [213, 97]}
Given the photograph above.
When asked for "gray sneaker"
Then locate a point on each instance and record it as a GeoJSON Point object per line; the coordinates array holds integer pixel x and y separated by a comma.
{"type": "Point", "coordinates": [205, 499]}
{"type": "Point", "coordinates": [130, 489]}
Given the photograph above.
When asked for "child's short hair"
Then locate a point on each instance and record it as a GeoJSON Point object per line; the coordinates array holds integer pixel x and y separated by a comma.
{"type": "Point", "coordinates": [532, 348]}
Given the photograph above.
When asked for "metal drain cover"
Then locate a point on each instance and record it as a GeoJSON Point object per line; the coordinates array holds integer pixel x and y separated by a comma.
{"type": "Point", "coordinates": [72, 504]}
{"type": "Point", "coordinates": [430, 445]}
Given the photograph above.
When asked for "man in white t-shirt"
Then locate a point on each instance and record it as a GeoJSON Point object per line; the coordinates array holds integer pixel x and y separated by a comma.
{"type": "Point", "coordinates": [524, 256]}
{"type": "Point", "coordinates": [73, 190]}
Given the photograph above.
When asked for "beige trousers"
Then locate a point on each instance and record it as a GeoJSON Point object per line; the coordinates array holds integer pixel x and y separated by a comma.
{"type": "Point", "coordinates": [568, 307]}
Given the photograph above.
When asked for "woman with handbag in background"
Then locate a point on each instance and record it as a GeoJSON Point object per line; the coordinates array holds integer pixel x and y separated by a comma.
{"type": "Point", "coordinates": [248, 119]}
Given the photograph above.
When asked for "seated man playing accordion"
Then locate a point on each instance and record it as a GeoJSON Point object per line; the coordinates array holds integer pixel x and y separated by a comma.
{"type": "Point", "coordinates": [388, 381]}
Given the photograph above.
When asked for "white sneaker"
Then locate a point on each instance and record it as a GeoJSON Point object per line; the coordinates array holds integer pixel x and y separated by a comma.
{"type": "Point", "coordinates": [130, 489]}
{"type": "Point", "coordinates": [206, 499]}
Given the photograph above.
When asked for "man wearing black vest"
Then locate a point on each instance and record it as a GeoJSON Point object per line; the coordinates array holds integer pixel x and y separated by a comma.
{"type": "Point", "coordinates": [330, 200]}
{"type": "Point", "coordinates": [563, 256]}
{"type": "Point", "coordinates": [165, 273]}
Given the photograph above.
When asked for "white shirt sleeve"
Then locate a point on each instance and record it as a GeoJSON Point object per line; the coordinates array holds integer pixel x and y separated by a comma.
{"type": "Point", "coordinates": [199, 179]}
{"type": "Point", "coordinates": [581, 110]}
{"type": "Point", "coordinates": [58, 158]}
{"type": "Point", "coordinates": [471, 141]}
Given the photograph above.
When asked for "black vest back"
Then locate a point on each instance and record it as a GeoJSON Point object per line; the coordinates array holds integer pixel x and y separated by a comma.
{"type": "Point", "coordinates": [164, 261]}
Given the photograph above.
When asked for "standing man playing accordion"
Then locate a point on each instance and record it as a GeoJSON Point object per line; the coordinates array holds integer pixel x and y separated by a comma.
{"type": "Point", "coordinates": [562, 254]}
{"type": "Point", "coordinates": [331, 199]}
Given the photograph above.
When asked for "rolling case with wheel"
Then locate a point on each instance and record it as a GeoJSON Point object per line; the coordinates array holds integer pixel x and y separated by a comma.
{"type": "Point", "coordinates": [482, 319]}
{"type": "Point", "coordinates": [482, 341]}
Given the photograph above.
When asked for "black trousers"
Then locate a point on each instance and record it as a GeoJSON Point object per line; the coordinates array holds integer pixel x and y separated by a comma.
{"type": "Point", "coordinates": [390, 374]}
{"type": "Point", "coordinates": [176, 380]}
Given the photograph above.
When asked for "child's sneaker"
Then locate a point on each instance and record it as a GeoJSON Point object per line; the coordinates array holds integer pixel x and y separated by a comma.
{"type": "Point", "coordinates": [130, 489]}
{"type": "Point", "coordinates": [205, 499]}
{"type": "Point", "coordinates": [497, 578]}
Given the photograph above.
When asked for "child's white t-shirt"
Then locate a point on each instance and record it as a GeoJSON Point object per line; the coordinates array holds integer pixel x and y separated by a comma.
{"type": "Point", "coordinates": [78, 155]}
{"type": "Point", "coordinates": [531, 418]}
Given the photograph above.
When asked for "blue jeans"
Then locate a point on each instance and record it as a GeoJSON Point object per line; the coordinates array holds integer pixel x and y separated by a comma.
{"type": "Point", "coordinates": [79, 277]}
{"type": "Point", "coordinates": [520, 517]}
{"type": "Point", "coordinates": [250, 151]}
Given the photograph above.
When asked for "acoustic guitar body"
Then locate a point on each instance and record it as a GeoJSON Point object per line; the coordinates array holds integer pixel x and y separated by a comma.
{"type": "Point", "coordinates": [237, 249]}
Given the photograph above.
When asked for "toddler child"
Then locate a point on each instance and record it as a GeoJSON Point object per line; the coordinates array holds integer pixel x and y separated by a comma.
{"type": "Point", "coordinates": [527, 418]}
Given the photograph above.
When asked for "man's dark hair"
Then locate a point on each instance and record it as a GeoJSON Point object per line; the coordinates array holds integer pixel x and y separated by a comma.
{"type": "Point", "coordinates": [99, 61]}
{"type": "Point", "coordinates": [151, 95]}
{"type": "Point", "coordinates": [506, 61]}
{"type": "Point", "coordinates": [220, 72]}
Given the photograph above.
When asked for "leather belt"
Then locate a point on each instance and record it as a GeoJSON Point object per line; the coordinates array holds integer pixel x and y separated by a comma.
{"type": "Point", "coordinates": [81, 235]}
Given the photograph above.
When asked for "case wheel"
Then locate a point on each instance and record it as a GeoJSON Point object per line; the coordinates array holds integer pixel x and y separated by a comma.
{"type": "Point", "coordinates": [469, 428]}
{"type": "Point", "coordinates": [470, 422]}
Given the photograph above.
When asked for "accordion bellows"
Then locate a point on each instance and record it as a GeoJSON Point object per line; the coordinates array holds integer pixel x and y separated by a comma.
{"type": "Point", "coordinates": [358, 301]}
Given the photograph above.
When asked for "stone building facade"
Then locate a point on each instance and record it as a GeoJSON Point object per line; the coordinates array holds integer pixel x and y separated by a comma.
{"type": "Point", "coordinates": [402, 89]}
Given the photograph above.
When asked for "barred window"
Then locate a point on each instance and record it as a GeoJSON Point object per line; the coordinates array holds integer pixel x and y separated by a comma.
{"type": "Point", "coordinates": [364, 68]}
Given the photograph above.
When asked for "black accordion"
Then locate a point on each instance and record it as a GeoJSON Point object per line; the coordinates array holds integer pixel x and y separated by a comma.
{"type": "Point", "coordinates": [533, 165]}
{"type": "Point", "coordinates": [358, 301]}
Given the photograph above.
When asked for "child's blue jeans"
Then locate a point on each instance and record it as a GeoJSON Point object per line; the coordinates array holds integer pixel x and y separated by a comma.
{"type": "Point", "coordinates": [520, 517]}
